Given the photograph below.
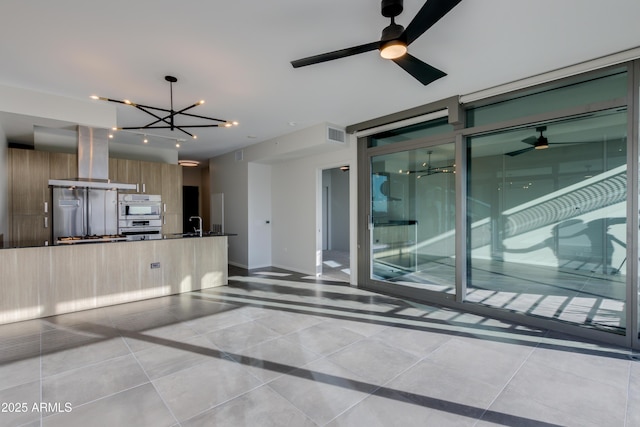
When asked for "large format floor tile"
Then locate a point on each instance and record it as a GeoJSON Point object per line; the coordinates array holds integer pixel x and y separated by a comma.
{"type": "Point", "coordinates": [277, 349]}
{"type": "Point", "coordinates": [260, 407]}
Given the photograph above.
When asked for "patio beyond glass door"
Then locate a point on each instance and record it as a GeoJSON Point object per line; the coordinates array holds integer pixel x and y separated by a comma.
{"type": "Point", "coordinates": [412, 227]}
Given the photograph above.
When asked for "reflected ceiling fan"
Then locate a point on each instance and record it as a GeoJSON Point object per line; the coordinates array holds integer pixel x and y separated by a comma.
{"type": "Point", "coordinates": [537, 143]}
{"type": "Point", "coordinates": [395, 39]}
{"type": "Point", "coordinates": [432, 170]}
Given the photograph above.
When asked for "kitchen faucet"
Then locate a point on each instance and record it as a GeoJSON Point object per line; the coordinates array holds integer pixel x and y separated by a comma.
{"type": "Point", "coordinates": [199, 229]}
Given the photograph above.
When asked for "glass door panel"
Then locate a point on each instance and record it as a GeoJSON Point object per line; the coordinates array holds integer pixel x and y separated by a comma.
{"type": "Point", "coordinates": [413, 218]}
{"type": "Point", "coordinates": [547, 227]}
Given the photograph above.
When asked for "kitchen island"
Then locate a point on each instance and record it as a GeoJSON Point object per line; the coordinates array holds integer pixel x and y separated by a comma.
{"type": "Point", "coordinates": [48, 280]}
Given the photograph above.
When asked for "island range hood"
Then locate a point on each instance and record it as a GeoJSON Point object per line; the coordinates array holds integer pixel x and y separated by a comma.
{"type": "Point", "coordinates": [93, 163]}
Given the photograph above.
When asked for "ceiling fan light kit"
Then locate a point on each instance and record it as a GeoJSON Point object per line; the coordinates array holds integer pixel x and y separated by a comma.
{"type": "Point", "coordinates": [542, 143]}
{"type": "Point", "coordinates": [167, 121]}
{"type": "Point", "coordinates": [393, 44]}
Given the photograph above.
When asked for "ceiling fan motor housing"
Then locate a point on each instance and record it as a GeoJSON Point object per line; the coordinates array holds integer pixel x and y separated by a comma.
{"type": "Point", "coordinates": [392, 32]}
{"type": "Point", "coordinates": [391, 8]}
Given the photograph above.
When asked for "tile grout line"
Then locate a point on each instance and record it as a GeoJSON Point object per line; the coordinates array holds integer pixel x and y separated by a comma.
{"type": "Point", "coordinates": [150, 381]}
{"type": "Point", "coordinates": [534, 348]}
{"type": "Point", "coordinates": [626, 406]}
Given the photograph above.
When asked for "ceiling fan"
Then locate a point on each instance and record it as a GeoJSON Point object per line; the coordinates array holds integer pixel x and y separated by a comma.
{"type": "Point", "coordinates": [395, 39]}
{"type": "Point", "coordinates": [537, 143]}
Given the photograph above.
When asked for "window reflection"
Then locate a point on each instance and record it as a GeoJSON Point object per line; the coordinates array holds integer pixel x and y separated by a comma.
{"type": "Point", "coordinates": [547, 227]}
{"type": "Point", "coordinates": [413, 216]}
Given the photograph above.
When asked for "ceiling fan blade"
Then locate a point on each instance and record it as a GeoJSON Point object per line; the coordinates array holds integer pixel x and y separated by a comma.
{"type": "Point", "coordinates": [518, 152]}
{"type": "Point", "coordinates": [531, 140]}
{"type": "Point", "coordinates": [431, 12]}
{"type": "Point", "coordinates": [330, 56]}
{"type": "Point", "coordinates": [423, 72]}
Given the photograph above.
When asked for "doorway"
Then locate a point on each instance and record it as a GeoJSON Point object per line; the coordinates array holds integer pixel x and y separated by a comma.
{"type": "Point", "coordinates": [335, 261]}
{"type": "Point", "coordinates": [190, 206]}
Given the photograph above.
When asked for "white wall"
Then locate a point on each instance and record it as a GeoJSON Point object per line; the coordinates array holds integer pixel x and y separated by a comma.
{"type": "Point", "coordinates": [230, 177]}
{"type": "Point", "coordinates": [297, 209]}
{"type": "Point", "coordinates": [259, 226]}
{"type": "Point", "coordinates": [294, 164]}
{"type": "Point", "coordinates": [4, 188]}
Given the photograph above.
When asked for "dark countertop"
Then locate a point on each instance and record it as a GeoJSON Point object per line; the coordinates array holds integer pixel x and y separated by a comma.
{"type": "Point", "coordinates": [36, 244]}
{"type": "Point", "coordinates": [193, 235]}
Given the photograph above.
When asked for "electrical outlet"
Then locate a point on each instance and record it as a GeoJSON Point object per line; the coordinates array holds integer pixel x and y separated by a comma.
{"type": "Point", "coordinates": [155, 265]}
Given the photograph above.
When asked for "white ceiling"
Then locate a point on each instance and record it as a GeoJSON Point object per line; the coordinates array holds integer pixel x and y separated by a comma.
{"type": "Point", "coordinates": [236, 55]}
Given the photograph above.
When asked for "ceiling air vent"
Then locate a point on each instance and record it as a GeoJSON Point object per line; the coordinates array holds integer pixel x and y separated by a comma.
{"type": "Point", "coordinates": [336, 136]}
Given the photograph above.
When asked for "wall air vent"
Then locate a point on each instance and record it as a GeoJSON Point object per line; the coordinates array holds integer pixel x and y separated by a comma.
{"type": "Point", "coordinates": [336, 136]}
{"type": "Point", "coordinates": [239, 155]}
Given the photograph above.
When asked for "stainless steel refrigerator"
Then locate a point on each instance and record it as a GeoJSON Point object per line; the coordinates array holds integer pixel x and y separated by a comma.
{"type": "Point", "coordinates": [84, 212]}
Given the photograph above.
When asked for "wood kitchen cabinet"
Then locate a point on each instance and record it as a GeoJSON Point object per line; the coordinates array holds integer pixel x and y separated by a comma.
{"type": "Point", "coordinates": [63, 166]}
{"type": "Point", "coordinates": [172, 198]}
{"type": "Point", "coordinates": [147, 175]}
{"type": "Point", "coordinates": [129, 173]}
{"type": "Point", "coordinates": [30, 230]}
{"type": "Point", "coordinates": [30, 198]}
{"type": "Point", "coordinates": [113, 169]}
{"type": "Point", "coordinates": [29, 201]}
{"type": "Point", "coordinates": [30, 178]}
{"type": "Point", "coordinates": [150, 178]}
{"type": "Point", "coordinates": [172, 223]}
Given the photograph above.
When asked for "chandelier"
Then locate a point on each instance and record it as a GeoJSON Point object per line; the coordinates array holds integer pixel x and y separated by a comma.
{"type": "Point", "coordinates": [168, 120]}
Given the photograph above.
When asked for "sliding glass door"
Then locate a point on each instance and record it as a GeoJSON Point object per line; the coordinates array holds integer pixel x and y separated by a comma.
{"type": "Point", "coordinates": [412, 218]}
{"type": "Point", "coordinates": [547, 225]}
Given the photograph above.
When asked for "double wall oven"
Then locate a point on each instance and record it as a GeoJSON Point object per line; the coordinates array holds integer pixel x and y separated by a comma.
{"type": "Point", "coordinates": [140, 216]}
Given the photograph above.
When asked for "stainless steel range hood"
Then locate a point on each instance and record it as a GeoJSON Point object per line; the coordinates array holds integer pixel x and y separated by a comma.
{"type": "Point", "coordinates": [93, 162]}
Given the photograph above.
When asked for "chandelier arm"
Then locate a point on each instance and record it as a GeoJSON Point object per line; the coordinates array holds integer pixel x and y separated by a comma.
{"type": "Point", "coordinates": [169, 111]}
{"type": "Point", "coordinates": [149, 126]}
{"type": "Point", "coordinates": [184, 131]}
{"type": "Point", "coordinates": [160, 119]}
{"type": "Point", "coordinates": [157, 127]}
{"type": "Point", "coordinates": [203, 117]}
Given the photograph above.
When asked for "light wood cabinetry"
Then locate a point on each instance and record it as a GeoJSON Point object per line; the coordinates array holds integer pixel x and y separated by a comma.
{"type": "Point", "coordinates": [40, 282]}
{"type": "Point", "coordinates": [172, 198]}
{"type": "Point", "coordinates": [172, 223]}
{"type": "Point", "coordinates": [150, 178]}
{"type": "Point", "coordinates": [147, 175]}
{"type": "Point", "coordinates": [113, 170]}
{"type": "Point", "coordinates": [63, 166]}
{"type": "Point", "coordinates": [30, 197]}
{"type": "Point", "coordinates": [172, 187]}
{"type": "Point", "coordinates": [30, 179]}
{"type": "Point", "coordinates": [128, 173]}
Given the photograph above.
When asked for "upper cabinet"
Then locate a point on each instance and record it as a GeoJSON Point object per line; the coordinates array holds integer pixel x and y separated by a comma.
{"type": "Point", "coordinates": [129, 173]}
{"type": "Point", "coordinates": [151, 177]}
{"type": "Point", "coordinates": [146, 175]}
{"type": "Point", "coordinates": [63, 165]}
{"type": "Point", "coordinates": [113, 170]}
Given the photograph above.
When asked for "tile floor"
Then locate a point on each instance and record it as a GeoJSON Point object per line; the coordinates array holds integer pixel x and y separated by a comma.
{"type": "Point", "coordinates": [276, 349]}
